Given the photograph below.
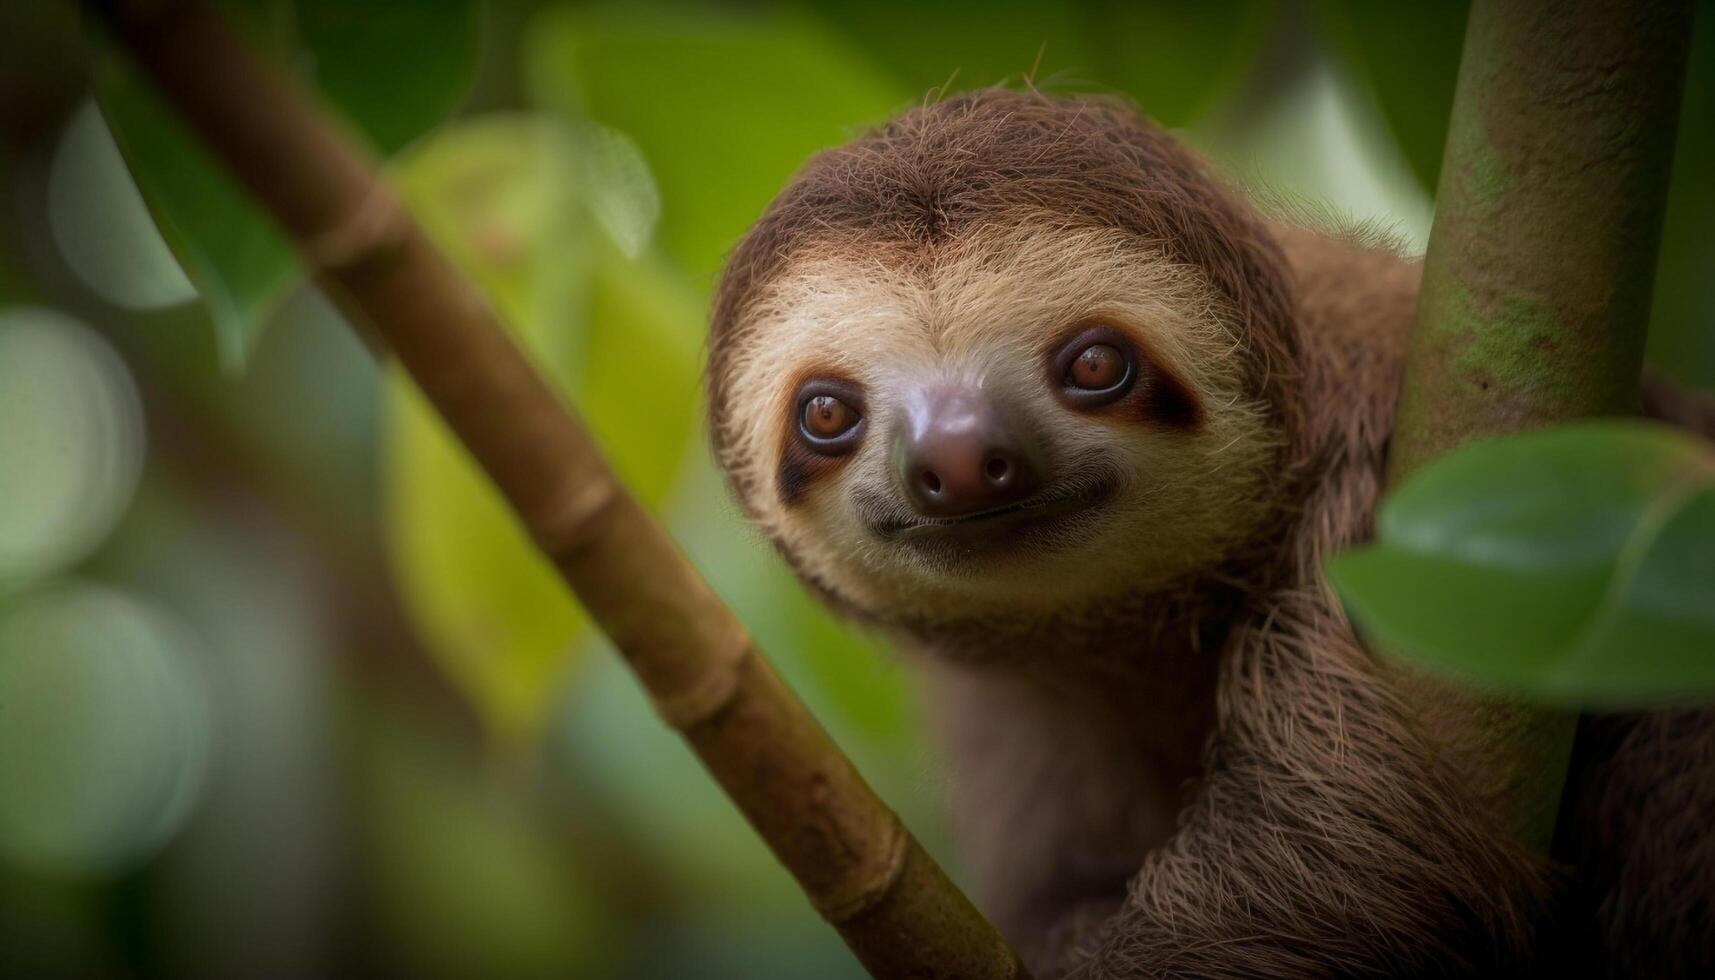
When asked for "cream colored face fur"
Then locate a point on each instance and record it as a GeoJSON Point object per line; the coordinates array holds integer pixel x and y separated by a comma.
{"type": "Point", "coordinates": [985, 311]}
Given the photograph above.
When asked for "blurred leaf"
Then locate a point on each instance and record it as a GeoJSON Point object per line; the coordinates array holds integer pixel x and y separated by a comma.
{"type": "Point", "coordinates": [353, 52]}
{"type": "Point", "coordinates": [1175, 59]}
{"type": "Point", "coordinates": [619, 187]}
{"type": "Point", "coordinates": [925, 46]}
{"type": "Point", "coordinates": [493, 614]}
{"type": "Point", "coordinates": [499, 194]}
{"type": "Point", "coordinates": [1682, 320]}
{"type": "Point", "coordinates": [620, 340]}
{"type": "Point", "coordinates": [393, 67]}
{"type": "Point", "coordinates": [1409, 54]}
{"type": "Point", "coordinates": [1307, 143]}
{"type": "Point", "coordinates": [725, 105]}
{"type": "Point", "coordinates": [468, 880]}
{"type": "Point", "coordinates": [639, 388]}
{"type": "Point", "coordinates": [103, 228]}
{"type": "Point", "coordinates": [1575, 565]}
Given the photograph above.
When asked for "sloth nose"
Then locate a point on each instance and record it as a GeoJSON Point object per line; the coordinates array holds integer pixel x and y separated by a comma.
{"type": "Point", "coordinates": [958, 455]}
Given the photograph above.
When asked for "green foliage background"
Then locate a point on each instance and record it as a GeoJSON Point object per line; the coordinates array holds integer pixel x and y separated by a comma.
{"type": "Point", "coordinates": [420, 760]}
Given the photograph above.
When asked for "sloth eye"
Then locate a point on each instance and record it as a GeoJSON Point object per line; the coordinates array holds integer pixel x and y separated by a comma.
{"type": "Point", "coordinates": [826, 417]}
{"type": "Point", "coordinates": [1097, 368]}
{"type": "Point", "coordinates": [830, 417]}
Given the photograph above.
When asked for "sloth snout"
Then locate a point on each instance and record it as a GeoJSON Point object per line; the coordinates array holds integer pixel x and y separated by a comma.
{"type": "Point", "coordinates": [959, 454]}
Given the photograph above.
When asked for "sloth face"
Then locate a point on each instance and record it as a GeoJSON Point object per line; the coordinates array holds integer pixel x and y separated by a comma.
{"type": "Point", "coordinates": [1004, 423]}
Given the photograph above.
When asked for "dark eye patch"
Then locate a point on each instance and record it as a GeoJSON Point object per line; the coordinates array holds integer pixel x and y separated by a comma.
{"type": "Point", "coordinates": [827, 425]}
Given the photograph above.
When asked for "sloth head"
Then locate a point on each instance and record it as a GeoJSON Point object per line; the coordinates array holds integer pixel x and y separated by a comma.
{"type": "Point", "coordinates": [1007, 354]}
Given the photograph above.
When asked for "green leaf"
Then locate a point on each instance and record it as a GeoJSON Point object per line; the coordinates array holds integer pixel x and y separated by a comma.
{"type": "Point", "coordinates": [619, 338]}
{"type": "Point", "coordinates": [1574, 566]}
{"type": "Point", "coordinates": [357, 55]}
{"type": "Point", "coordinates": [725, 105]}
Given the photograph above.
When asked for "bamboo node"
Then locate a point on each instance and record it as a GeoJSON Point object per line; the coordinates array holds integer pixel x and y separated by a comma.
{"type": "Point", "coordinates": [378, 226]}
{"type": "Point", "coordinates": [864, 893]}
{"type": "Point", "coordinates": [575, 517]}
{"type": "Point", "coordinates": [711, 692]}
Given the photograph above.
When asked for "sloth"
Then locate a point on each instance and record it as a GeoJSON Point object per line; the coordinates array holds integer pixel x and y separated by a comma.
{"type": "Point", "coordinates": [1017, 380]}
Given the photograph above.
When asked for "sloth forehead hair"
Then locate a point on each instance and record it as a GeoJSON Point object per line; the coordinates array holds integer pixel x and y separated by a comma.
{"type": "Point", "coordinates": [987, 296]}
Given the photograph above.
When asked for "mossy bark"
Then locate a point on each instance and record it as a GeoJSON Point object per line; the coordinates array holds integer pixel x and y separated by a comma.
{"type": "Point", "coordinates": [861, 869]}
{"type": "Point", "coordinates": [1537, 282]}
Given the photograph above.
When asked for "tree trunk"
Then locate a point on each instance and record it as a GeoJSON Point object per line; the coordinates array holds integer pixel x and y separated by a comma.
{"type": "Point", "coordinates": [1537, 283]}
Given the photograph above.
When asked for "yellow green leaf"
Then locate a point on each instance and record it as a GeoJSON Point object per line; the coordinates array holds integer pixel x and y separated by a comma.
{"type": "Point", "coordinates": [619, 339]}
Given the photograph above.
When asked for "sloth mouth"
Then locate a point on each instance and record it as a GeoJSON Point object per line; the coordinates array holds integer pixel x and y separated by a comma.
{"type": "Point", "coordinates": [1033, 522]}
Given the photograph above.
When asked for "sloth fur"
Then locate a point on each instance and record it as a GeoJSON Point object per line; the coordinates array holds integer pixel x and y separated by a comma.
{"type": "Point", "coordinates": [1170, 756]}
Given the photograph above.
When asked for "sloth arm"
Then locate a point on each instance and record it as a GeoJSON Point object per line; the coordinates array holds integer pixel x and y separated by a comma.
{"type": "Point", "coordinates": [1349, 822]}
{"type": "Point", "coordinates": [1328, 838]}
{"type": "Point", "coordinates": [1330, 833]}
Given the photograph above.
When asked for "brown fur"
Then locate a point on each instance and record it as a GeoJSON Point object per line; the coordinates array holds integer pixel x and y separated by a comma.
{"type": "Point", "coordinates": [954, 167]}
{"type": "Point", "coordinates": [1203, 775]}
{"type": "Point", "coordinates": [1636, 824]}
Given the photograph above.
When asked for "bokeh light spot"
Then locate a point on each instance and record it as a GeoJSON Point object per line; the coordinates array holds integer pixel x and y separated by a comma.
{"type": "Point", "coordinates": [104, 730]}
{"type": "Point", "coordinates": [71, 442]}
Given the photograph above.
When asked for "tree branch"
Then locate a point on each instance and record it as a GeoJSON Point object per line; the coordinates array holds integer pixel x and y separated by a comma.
{"type": "Point", "coordinates": [1537, 282]}
{"type": "Point", "coordinates": [862, 870]}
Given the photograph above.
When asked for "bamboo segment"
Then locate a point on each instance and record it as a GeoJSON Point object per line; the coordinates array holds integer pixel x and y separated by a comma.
{"type": "Point", "coordinates": [861, 869]}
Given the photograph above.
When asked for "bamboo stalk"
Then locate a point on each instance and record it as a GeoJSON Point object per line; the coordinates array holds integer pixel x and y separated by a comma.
{"type": "Point", "coordinates": [862, 870]}
{"type": "Point", "coordinates": [1537, 282]}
